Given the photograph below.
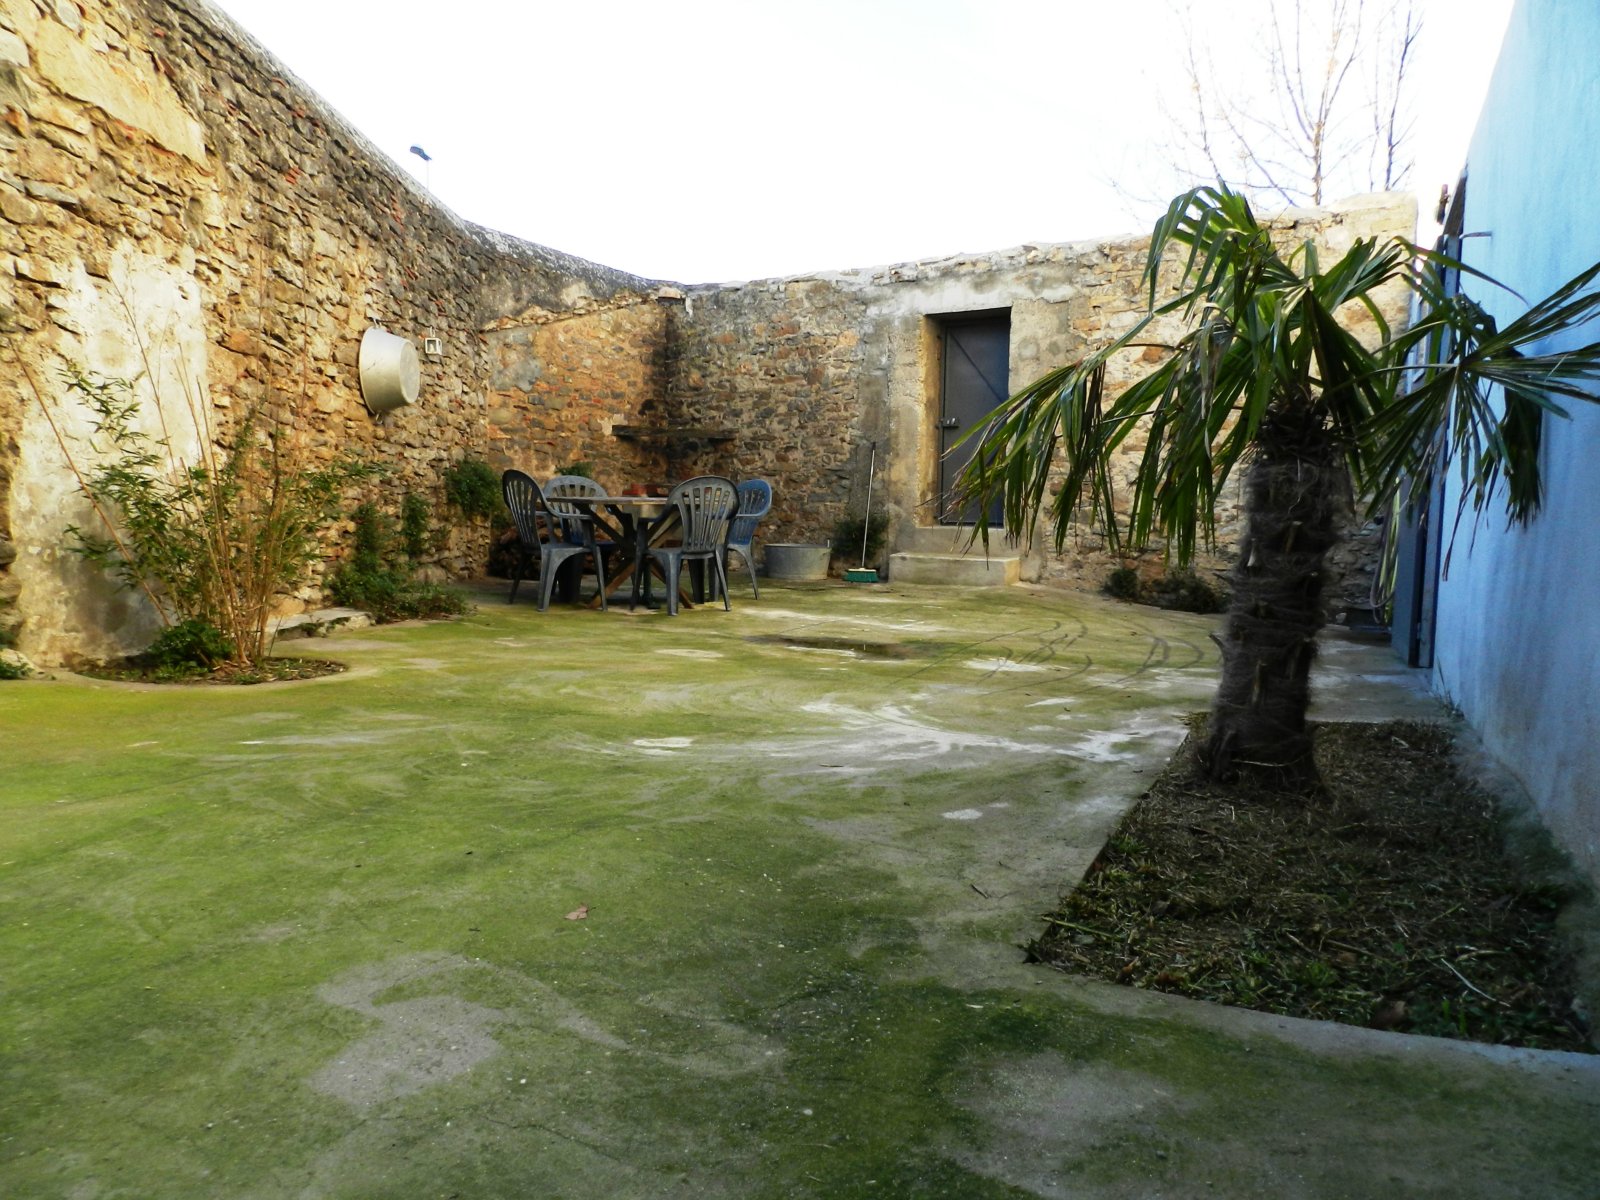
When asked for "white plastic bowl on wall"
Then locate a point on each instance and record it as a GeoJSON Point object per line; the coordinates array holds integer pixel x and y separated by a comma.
{"type": "Point", "coordinates": [390, 373]}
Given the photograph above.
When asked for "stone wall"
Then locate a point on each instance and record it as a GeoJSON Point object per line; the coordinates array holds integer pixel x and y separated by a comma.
{"type": "Point", "coordinates": [561, 383]}
{"type": "Point", "coordinates": [783, 369]}
{"type": "Point", "coordinates": [170, 197]}
{"type": "Point", "coordinates": [806, 372]}
{"type": "Point", "coordinates": [175, 205]}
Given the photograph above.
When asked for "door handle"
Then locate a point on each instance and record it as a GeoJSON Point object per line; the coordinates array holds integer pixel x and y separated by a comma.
{"type": "Point", "coordinates": [950, 423]}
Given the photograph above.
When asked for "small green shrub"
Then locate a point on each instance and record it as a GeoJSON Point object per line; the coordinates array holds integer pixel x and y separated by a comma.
{"type": "Point", "coordinates": [583, 469]}
{"type": "Point", "coordinates": [847, 536]}
{"type": "Point", "coordinates": [1187, 592]}
{"type": "Point", "coordinates": [1123, 584]}
{"type": "Point", "coordinates": [414, 521]}
{"type": "Point", "coordinates": [1183, 591]}
{"type": "Point", "coordinates": [12, 670]}
{"type": "Point", "coordinates": [193, 644]}
{"type": "Point", "coordinates": [375, 582]}
{"type": "Point", "coordinates": [472, 488]}
{"type": "Point", "coordinates": [214, 536]}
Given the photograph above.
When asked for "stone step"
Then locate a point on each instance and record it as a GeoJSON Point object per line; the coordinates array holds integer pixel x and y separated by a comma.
{"type": "Point", "coordinates": [949, 539]}
{"type": "Point", "coordinates": [956, 570]}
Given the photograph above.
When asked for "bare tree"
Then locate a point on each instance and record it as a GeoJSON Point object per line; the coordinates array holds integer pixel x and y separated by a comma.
{"type": "Point", "coordinates": [1307, 103]}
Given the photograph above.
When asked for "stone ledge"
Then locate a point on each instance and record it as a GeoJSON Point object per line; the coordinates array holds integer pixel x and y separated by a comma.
{"type": "Point", "coordinates": [955, 570]}
{"type": "Point", "coordinates": [313, 624]}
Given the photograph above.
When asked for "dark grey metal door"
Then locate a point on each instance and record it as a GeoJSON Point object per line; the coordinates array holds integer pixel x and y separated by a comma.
{"type": "Point", "coordinates": [1416, 576]}
{"type": "Point", "coordinates": [976, 380]}
{"type": "Point", "coordinates": [1420, 534]}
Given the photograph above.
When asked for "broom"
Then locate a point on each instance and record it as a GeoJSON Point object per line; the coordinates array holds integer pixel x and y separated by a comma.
{"type": "Point", "coordinates": [864, 573]}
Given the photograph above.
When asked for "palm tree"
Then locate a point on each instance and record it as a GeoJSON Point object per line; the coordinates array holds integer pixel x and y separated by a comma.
{"type": "Point", "coordinates": [1269, 380]}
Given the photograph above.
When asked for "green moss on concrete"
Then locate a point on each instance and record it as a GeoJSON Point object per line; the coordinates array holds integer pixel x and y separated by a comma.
{"type": "Point", "coordinates": [311, 939]}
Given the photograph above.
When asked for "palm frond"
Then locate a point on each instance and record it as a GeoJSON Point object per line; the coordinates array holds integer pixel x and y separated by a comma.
{"type": "Point", "coordinates": [1270, 336]}
{"type": "Point", "coordinates": [1478, 396]}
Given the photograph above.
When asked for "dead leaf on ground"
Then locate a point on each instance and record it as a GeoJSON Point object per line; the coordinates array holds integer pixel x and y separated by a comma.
{"type": "Point", "coordinates": [581, 913]}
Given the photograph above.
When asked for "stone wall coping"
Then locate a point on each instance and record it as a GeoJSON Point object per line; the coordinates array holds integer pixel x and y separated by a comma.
{"type": "Point", "coordinates": [1032, 253]}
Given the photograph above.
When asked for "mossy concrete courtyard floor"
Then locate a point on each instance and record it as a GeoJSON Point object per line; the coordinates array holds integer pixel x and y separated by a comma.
{"type": "Point", "coordinates": [312, 939]}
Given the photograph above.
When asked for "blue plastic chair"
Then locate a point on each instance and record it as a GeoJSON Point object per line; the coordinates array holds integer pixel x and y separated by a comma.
{"type": "Point", "coordinates": [542, 532]}
{"type": "Point", "coordinates": [571, 517]}
{"type": "Point", "coordinates": [755, 502]}
{"type": "Point", "coordinates": [706, 506]}
{"type": "Point", "coordinates": [577, 523]}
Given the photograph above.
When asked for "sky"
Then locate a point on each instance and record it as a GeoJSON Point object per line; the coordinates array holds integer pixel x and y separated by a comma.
{"type": "Point", "coordinates": [714, 140]}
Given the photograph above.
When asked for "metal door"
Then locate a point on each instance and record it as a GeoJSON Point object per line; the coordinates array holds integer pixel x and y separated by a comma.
{"type": "Point", "coordinates": [1416, 579]}
{"type": "Point", "coordinates": [976, 380]}
{"type": "Point", "coordinates": [1419, 536]}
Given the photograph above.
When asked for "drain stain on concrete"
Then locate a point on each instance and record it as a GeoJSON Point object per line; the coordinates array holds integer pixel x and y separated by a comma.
{"type": "Point", "coordinates": [1002, 665]}
{"type": "Point", "coordinates": [852, 646]}
{"type": "Point", "coordinates": [893, 732]}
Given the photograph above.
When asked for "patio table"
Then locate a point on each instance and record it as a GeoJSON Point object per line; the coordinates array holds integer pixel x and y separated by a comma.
{"type": "Point", "coordinates": [635, 523]}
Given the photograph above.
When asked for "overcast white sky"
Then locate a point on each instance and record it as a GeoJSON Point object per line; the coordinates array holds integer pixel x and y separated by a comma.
{"type": "Point", "coordinates": [707, 140]}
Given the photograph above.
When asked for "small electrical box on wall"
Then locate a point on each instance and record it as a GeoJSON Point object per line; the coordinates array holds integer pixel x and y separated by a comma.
{"type": "Point", "coordinates": [433, 347]}
{"type": "Point", "coordinates": [390, 374]}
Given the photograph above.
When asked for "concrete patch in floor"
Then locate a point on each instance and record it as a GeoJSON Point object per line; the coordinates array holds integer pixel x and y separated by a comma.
{"type": "Point", "coordinates": [419, 1043]}
{"type": "Point", "coordinates": [426, 1040]}
{"type": "Point", "coordinates": [1040, 1115]}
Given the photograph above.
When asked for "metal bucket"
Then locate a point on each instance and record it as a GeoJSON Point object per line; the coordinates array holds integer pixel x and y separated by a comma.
{"type": "Point", "coordinates": [796, 560]}
{"type": "Point", "coordinates": [390, 374]}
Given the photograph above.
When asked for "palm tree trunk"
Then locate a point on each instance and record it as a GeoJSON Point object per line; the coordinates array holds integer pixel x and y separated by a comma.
{"type": "Point", "coordinates": [1293, 494]}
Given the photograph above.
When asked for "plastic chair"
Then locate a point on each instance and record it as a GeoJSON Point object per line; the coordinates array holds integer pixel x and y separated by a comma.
{"type": "Point", "coordinates": [570, 516]}
{"type": "Point", "coordinates": [576, 523]}
{"type": "Point", "coordinates": [755, 501]}
{"type": "Point", "coordinates": [706, 505]}
{"type": "Point", "coordinates": [540, 531]}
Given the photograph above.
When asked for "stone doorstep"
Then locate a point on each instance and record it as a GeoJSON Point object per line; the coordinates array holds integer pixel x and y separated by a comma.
{"type": "Point", "coordinates": [309, 624]}
{"type": "Point", "coordinates": [951, 540]}
{"type": "Point", "coordinates": [956, 570]}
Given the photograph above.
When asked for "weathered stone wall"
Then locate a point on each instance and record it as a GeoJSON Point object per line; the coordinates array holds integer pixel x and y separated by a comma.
{"type": "Point", "coordinates": [163, 181]}
{"type": "Point", "coordinates": [783, 369]}
{"type": "Point", "coordinates": [561, 383]}
{"type": "Point", "coordinates": [173, 204]}
{"type": "Point", "coordinates": [806, 372]}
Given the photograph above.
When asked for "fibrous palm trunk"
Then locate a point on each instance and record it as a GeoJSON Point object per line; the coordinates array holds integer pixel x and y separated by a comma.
{"type": "Point", "coordinates": [1294, 492]}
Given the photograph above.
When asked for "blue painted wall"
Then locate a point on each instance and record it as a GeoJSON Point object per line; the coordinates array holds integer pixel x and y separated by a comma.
{"type": "Point", "coordinates": [1518, 644]}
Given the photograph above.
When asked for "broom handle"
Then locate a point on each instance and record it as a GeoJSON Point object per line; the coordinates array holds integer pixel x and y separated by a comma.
{"type": "Point", "coordinates": [866, 517]}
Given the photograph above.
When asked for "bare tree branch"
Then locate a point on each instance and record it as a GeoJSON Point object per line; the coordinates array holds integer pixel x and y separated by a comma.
{"type": "Point", "coordinates": [1312, 103]}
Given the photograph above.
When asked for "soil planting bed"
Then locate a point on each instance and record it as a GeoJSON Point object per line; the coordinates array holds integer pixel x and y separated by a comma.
{"type": "Point", "coordinates": [1386, 898]}
{"type": "Point", "coordinates": [269, 670]}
